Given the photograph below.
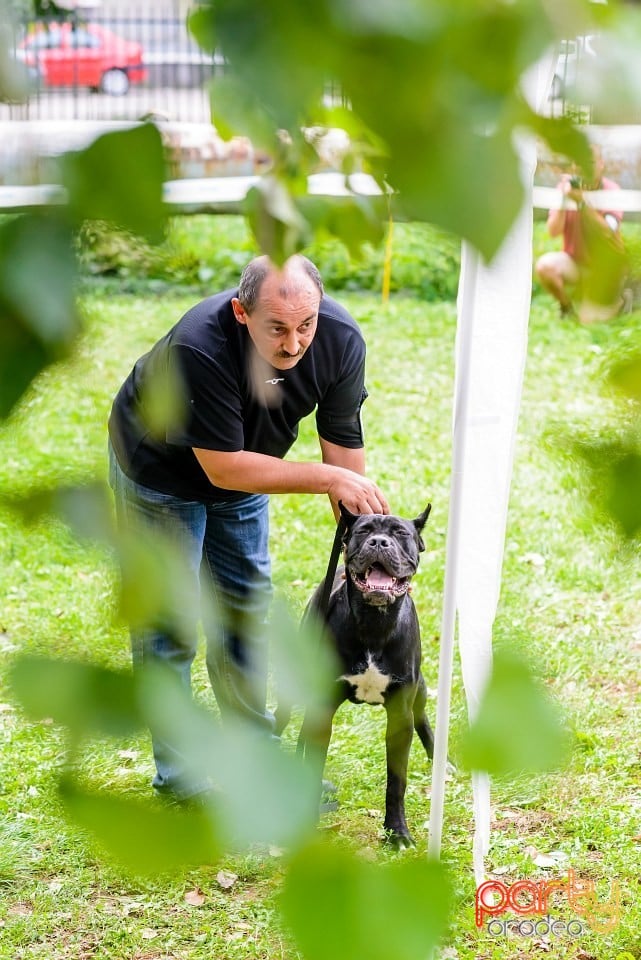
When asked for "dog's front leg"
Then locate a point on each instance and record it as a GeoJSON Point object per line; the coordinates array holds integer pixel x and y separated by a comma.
{"type": "Point", "coordinates": [313, 743]}
{"type": "Point", "coordinates": [398, 739]}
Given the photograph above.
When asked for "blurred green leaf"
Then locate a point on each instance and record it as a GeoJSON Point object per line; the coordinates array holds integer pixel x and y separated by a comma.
{"type": "Point", "coordinates": [283, 217]}
{"type": "Point", "coordinates": [564, 138]}
{"type": "Point", "coordinates": [435, 87]}
{"type": "Point", "coordinates": [14, 75]}
{"type": "Point", "coordinates": [342, 907]}
{"type": "Point", "coordinates": [340, 116]}
{"type": "Point", "coordinates": [276, 222]}
{"type": "Point", "coordinates": [22, 357]}
{"type": "Point", "coordinates": [354, 220]}
{"type": "Point", "coordinates": [202, 28]}
{"type": "Point", "coordinates": [264, 793]}
{"type": "Point", "coordinates": [267, 45]}
{"type": "Point", "coordinates": [605, 257]}
{"type": "Point", "coordinates": [467, 183]}
{"type": "Point", "coordinates": [163, 401]}
{"type": "Point", "coordinates": [612, 467]}
{"type": "Point", "coordinates": [155, 587]}
{"type": "Point", "coordinates": [86, 509]}
{"type": "Point", "coordinates": [269, 795]}
{"type": "Point", "coordinates": [610, 80]}
{"type": "Point", "coordinates": [236, 110]}
{"type": "Point", "coordinates": [119, 178]}
{"type": "Point", "coordinates": [622, 492]}
{"type": "Point", "coordinates": [518, 727]}
{"type": "Point", "coordinates": [625, 376]}
{"type": "Point", "coordinates": [38, 316]}
{"type": "Point", "coordinates": [85, 698]}
{"type": "Point", "coordinates": [145, 837]}
{"type": "Point", "coordinates": [303, 659]}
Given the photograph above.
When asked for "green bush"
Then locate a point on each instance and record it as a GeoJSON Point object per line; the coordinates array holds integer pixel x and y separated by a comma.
{"type": "Point", "coordinates": [211, 251]}
{"type": "Point", "coordinates": [195, 251]}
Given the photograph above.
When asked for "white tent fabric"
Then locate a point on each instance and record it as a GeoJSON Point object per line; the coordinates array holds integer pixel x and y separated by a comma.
{"type": "Point", "coordinates": [493, 313]}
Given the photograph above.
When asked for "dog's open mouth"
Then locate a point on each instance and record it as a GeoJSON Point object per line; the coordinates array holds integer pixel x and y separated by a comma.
{"type": "Point", "coordinates": [376, 579]}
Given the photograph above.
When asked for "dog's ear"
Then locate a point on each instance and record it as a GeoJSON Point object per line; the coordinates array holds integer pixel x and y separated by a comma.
{"type": "Point", "coordinates": [348, 517]}
{"type": "Point", "coordinates": [419, 523]}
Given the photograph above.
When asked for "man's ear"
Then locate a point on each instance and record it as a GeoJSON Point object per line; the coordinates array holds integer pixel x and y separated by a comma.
{"type": "Point", "coordinates": [419, 523]}
{"type": "Point", "coordinates": [239, 311]}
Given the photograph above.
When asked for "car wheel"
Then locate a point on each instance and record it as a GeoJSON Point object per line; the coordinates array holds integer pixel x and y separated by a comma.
{"type": "Point", "coordinates": [114, 82]}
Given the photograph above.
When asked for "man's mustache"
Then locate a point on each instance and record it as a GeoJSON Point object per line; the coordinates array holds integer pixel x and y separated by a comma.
{"type": "Point", "coordinates": [283, 355]}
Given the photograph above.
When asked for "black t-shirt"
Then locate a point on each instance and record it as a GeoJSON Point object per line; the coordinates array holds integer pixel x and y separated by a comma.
{"type": "Point", "coordinates": [204, 386]}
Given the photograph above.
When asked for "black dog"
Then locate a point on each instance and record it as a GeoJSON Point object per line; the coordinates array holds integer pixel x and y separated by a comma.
{"type": "Point", "coordinates": [373, 623]}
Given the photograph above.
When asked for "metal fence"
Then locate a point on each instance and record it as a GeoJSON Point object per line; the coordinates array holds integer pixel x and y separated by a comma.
{"type": "Point", "coordinates": [176, 75]}
{"type": "Point", "coordinates": [120, 66]}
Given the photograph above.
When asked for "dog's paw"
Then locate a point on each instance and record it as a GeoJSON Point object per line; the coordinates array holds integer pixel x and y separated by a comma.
{"type": "Point", "coordinates": [398, 840]}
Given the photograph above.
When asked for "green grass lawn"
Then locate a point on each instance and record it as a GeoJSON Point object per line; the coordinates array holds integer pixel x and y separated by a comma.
{"type": "Point", "coordinates": [571, 603]}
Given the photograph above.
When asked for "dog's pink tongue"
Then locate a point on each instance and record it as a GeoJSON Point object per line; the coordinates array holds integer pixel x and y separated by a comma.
{"type": "Point", "coordinates": [378, 577]}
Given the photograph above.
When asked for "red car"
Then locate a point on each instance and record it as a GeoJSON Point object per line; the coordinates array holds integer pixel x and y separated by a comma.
{"type": "Point", "coordinates": [82, 55]}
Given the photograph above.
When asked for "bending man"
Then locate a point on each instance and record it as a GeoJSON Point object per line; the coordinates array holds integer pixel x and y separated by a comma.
{"type": "Point", "coordinates": [242, 367]}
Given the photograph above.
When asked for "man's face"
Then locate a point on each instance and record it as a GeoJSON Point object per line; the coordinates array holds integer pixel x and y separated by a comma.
{"type": "Point", "coordinates": [282, 327]}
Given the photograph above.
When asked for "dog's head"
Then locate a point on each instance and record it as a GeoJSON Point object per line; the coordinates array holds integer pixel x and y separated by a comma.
{"type": "Point", "coordinates": [382, 553]}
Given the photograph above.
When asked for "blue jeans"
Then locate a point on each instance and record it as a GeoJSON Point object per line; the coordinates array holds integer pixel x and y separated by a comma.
{"type": "Point", "coordinates": [224, 547]}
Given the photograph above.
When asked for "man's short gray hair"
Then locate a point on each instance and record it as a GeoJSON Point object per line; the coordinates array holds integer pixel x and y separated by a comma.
{"type": "Point", "coordinates": [254, 274]}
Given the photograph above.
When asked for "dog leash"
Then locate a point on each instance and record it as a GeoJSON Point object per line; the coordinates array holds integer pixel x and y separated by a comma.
{"type": "Point", "coordinates": [329, 803]}
{"type": "Point", "coordinates": [283, 711]}
{"type": "Point", "coordinates": [323, 603]}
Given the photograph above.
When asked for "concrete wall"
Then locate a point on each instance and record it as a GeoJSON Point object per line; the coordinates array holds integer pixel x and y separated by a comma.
{"type": "Point", "coordinates": [621, 151]}
{"type": "Point", "coordinates": [29, 151]}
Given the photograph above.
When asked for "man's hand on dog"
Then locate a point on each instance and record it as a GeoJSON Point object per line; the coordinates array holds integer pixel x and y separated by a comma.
{"type": "Point", "coordinates": [358, 493]}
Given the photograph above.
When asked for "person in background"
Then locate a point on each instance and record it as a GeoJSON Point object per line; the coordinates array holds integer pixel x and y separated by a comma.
{"type": "Point", "coordinates": [243, 367]}
{"type": "Point", "coordinates": [586, 275]}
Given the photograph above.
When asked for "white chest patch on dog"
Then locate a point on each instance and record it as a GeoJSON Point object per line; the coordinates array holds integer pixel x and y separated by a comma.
{"type": "Point", "coordinates": [370, 685]}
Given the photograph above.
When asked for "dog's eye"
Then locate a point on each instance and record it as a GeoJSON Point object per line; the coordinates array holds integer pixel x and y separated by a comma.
{"type": "Point", "coordinates": [365, 526]}
{"type": "Point", "coordinates": [400, 532]}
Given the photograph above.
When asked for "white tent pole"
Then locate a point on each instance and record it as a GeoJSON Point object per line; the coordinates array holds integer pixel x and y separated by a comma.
{"type": "Point", "coordinates": [498, 298]}
{"type": "Point", "coordinates": [467, 286]}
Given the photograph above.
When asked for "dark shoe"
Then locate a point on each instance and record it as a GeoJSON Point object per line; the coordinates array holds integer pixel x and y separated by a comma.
{"type": "Point", "coordinates": [328, 801]}
{"type": "Point", "coordinates": [187, 800]}
{"type": "Point", "coordinates": [627, 301]}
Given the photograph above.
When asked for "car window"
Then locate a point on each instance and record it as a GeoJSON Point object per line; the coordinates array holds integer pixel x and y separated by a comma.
{"type": "Point", "coordinates": [82, 38]}
{"type": "Point", "coordinates": [44, 39]}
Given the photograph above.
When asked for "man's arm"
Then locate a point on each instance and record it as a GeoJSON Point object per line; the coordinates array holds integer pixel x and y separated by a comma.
{"type": "Point", "coordinates": [347, 457]}
{"type": "Point", "coordinates": [556, 222]}
{"type": "Point", "coordinates": [259, 473]}
{"type": "Point", "coordinates": [556, 218]}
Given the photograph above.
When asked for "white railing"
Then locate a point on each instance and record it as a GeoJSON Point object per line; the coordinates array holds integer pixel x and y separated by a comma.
{"type": "Point", "coordinates": [226, 194]}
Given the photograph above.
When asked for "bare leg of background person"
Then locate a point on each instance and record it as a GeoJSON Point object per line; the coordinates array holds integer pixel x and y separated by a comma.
{"type": "Point", "coordinates": [558, 275]}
